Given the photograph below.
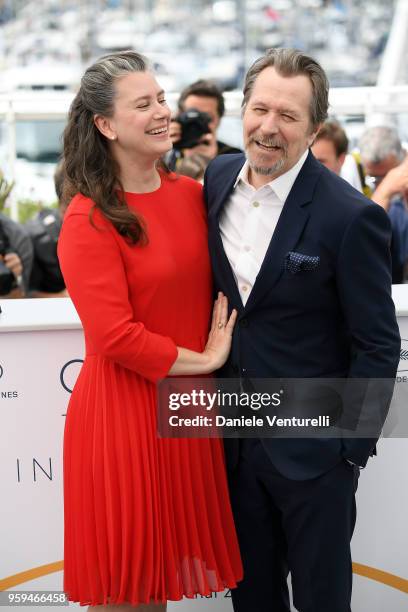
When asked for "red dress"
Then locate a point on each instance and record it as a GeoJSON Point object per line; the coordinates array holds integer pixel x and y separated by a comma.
{"type": "Point", "coordinates": [146, 519]}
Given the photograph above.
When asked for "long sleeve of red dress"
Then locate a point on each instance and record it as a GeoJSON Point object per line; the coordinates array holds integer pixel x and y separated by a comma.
{"type": "Point", "coordinates": [94, 274]}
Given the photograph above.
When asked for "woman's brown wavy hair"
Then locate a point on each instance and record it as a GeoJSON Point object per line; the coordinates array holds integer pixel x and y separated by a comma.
{"type": "Point", "coordinates": [89, 166]}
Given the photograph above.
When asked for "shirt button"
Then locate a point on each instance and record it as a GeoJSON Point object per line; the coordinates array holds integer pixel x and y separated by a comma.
{"type": "Point", "coordinates": [244, 288]}
{"type": "Point", "coordinates": [247, 248]}
{"type": "Point", "coordinates": [255, 204]}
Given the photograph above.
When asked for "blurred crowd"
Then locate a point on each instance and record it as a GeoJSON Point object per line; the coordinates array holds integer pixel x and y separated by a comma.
{"type": "Point", "coordinates": [379, 169]}
{"type": "Point", "coordinates": [28, 253]}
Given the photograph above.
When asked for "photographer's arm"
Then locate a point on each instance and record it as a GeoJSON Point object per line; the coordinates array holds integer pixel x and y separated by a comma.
{"type": "Point", "coordinates": [174, 131]}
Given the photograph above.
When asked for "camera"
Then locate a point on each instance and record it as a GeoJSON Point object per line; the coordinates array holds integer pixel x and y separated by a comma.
{"type": "Point", "coordinates": [7, 278]}
{"type": "Point", "coordinates": [194, 124]}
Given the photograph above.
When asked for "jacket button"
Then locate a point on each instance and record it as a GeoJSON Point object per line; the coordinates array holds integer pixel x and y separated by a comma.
{"type": "Point", "coordinates": [244, 323]}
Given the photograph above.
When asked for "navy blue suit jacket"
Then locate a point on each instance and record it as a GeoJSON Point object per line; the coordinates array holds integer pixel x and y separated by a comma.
{"type": "Point", "coordinates": [337, 320]}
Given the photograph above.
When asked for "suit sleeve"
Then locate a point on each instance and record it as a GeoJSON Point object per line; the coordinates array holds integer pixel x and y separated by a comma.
{"type": "Point", "coordinates": [94, 273]}
{"type": "Point", "coordinates": [364, 285]}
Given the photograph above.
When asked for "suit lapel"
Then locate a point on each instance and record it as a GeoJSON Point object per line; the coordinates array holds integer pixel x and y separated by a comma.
{"type": "Point", "coordinates": [225, 189]}
{"type": "Point", "coordinates": [221, 264]}
{"type": "Point", "coordinates": [289, 228]}
{"type": "Point", "coordinates": [223, 268]}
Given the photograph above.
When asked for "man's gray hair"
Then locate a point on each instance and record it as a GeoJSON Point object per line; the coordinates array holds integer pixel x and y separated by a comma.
{"type": "Point", "coordinates": [377, 143]}
{"type": "Point", "coordinates": [292, 62]}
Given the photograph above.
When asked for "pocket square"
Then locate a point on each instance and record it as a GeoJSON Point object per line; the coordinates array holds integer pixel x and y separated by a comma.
{"type": "Point", "coordinates": [295, 262]}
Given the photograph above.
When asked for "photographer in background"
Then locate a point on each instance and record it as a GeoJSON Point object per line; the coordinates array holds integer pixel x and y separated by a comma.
{"type": "Point", "coordinates": [330, 146]}
{"type": "Point", "coordinates": [46, 280]}
{"type": "Point", "coordinates": [16, 252]}
{"type": "Point", "coordinates": [194, 130]}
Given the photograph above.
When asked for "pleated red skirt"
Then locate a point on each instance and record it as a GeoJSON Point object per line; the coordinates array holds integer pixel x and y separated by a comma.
{"type": "Point", "coordinates": [146, 519]}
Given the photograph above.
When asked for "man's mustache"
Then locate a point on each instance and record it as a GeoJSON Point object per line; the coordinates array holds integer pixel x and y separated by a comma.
{"type": "Point", "coordinates": [271, 141]}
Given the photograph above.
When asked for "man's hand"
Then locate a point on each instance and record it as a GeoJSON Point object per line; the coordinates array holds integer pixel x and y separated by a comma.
{"type": "Point", "coordinates": [174, 131]}
{"type": "Point", "coordinates": [13, 263]}
{"type": "Point", "coordinates": [394, 183]}
{"type": "Point", "coordinates": [207, 147]}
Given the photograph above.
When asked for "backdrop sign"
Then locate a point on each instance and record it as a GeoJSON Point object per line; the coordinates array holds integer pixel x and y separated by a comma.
{"type": "Point", "coordinates": [38, 370]}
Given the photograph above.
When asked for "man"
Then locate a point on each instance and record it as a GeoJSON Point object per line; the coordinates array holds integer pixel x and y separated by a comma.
{"type": "Point", "coordinates": [46, 280]}
{"type": "Point", "coordinates": [16, 256]}
{"type": "Point", "coordinates": [205, 97]}
{"type": "Point", "coordinates": [304, 258]}
{"type": "Point", "coordinates": [330, 146]}
{"type": "Point", "coordinates": [386, 165]}
{"type": "Point", "coordinates": [16, 253]}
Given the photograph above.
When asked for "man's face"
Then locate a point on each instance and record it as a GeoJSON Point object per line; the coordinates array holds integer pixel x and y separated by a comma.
{"type": "Point", "coordinates": [277, 126]}
{"type": "Point", "coordinates": [204, 105]}
{"type": "Point", "coordinates": [324, 150]}
{"type": "Point", "coordinates": [377, 171]}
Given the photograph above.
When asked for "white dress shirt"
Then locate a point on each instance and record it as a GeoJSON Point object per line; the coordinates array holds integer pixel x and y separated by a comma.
{"type": "Point", "coordinates": [248, 221]}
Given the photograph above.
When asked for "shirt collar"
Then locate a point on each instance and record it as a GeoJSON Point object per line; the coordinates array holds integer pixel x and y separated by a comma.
{"type": "Point", "coordinates": [282, 185]}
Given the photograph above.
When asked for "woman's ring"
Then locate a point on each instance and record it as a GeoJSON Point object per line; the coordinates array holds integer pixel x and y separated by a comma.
{"type": "Point", "coordinates": [220, 325]}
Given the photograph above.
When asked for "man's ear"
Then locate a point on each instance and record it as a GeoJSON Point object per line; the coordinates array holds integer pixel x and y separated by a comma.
{"type": "Point", "coordinates": [313, 134]}
{"type": "Point", "coordinates": [103, 124]}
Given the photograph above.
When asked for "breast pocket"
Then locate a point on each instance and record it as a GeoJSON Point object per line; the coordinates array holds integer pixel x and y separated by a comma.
{"type": "Point", "coordinates": [302, 280]}
{"type": "Point", "coordinates": [297, 262]}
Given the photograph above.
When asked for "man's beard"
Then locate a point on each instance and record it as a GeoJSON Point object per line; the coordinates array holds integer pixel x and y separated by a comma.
{"type": "Point", "coordinates": [271, 169]}
{"type": "Point", "coordinates": [267, 170]}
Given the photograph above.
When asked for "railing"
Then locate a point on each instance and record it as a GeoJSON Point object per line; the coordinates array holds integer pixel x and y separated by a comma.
{"type": "Point", "coordinates": [343, 101]}
{"type": "Point", "coordinates": [366, 102]}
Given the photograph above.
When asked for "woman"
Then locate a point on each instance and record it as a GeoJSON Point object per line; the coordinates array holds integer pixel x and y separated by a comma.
{"type": "Point", "coordinates": [146, 520]}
